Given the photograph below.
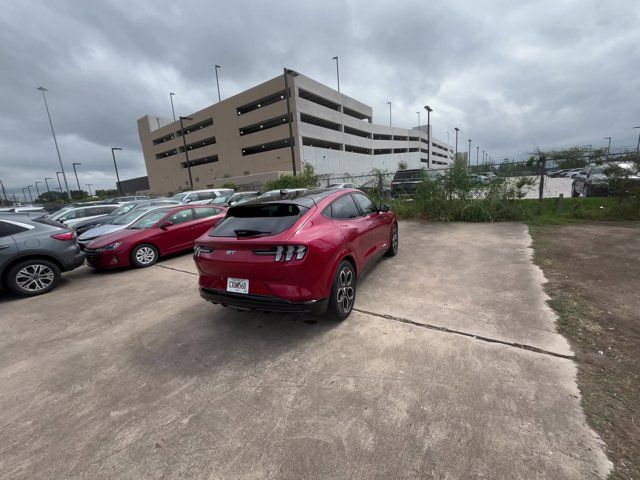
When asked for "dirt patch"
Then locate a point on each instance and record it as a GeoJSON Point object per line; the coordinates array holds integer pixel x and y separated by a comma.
{"type": "Point", "coordinates": [594, 285]}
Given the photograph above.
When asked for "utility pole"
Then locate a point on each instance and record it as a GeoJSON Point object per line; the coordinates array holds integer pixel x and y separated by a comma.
{"type": "Point", "coordinates": [46, 106]}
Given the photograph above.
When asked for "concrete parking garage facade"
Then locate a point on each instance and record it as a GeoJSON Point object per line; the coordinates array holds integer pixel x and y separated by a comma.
{"type": "Point", "coordinates": [247, 138]}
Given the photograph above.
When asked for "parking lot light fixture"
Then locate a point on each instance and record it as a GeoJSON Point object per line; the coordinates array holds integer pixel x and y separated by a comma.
{"type": "Point", "coordinates": [469, 153]}
{"type": "Point", "coordinates": [217, 84]}
{"type": "Point", "coordinates": [59, 184]}
{"type": "Point", "coordinates": [429, 110]}
{"type": "Point", "coordinates": [55, 141]}
{"type": "Point", "coordinates": [76, 174]}
{"type": "Point", "coordinates": [638, 146]}
{"type": "Point", "coordinates": [47, 183]}
{"type": "Point", "coordinates": [609, 147]}
{"type": "Point", "coordinates": [113, 149]}
{"type": "Point", "coordinates": [184, 143]}
{"type": "Point", "coordinates": [89, 185]}
{"type": "Point", "coordinates": [389, 103]}
{"type": "Point", "coordinates": [287, 73]}
{"type": "Point", "coordinates": [173, 111]}
{"type": "Point", "coordinates": [37, 189]}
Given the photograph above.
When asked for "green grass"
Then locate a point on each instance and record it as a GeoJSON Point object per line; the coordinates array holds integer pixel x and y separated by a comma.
{"type": "Point", "coordinates": [549, 211]}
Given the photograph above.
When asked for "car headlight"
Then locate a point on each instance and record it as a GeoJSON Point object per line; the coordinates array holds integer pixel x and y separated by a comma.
{"type": "Point", "coordinates": [110, 247]}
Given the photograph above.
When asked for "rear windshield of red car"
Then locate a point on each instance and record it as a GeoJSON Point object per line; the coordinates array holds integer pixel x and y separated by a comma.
{"type": "Point", "coordinates": [258, 220]}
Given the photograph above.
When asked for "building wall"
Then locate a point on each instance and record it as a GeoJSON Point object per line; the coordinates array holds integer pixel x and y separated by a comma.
{"type": "Point", "coordinates": [331, 131]}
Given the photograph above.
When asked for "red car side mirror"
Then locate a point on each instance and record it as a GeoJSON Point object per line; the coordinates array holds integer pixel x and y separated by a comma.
{"type": "Point", "coordinates": [166, 224]}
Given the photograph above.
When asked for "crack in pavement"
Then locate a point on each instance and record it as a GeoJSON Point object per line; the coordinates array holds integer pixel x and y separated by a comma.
{"type": "Point", "coordinates": [439, 328]}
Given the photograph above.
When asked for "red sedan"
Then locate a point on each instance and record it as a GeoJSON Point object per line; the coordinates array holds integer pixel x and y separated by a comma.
{"type": "Point", "coordinates": [160, 232]}
{"type": "Point", "coordinates": [302, 253]}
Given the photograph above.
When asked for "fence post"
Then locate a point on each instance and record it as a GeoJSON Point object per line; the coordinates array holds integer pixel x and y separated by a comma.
{"type": "Point", "coordinates": [559, 204]}
{"type": "Point", "coordinates": [543, 171]}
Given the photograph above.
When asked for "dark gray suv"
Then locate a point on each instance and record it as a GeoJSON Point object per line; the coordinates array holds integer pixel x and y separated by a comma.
{"type": "Point", "coordinates": [34, 252]}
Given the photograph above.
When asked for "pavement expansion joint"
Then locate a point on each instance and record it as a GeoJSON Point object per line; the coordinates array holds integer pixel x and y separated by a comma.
{"type": "Point", "coordinates": [438, 328]}
{"type": "Point", "coordinates": [467, 334]}
{"type": "Point", "coordinates": [176, 269]}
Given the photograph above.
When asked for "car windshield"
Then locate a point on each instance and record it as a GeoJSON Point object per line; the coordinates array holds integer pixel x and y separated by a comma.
{"type": "Point", "coordinates": [60, 213]}
{"type": "Point", "coordinates": [131, 216]}
{"type": "Point", "coordinates": [148, 220]}
{"type": "Point", "coordinates": [221, 199]}
{"type": "Point", "coordinates": [122, 209]}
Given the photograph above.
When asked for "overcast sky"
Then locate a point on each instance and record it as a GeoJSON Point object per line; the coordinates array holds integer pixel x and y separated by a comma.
{"type": "Point", "coordinates": [511, 77]}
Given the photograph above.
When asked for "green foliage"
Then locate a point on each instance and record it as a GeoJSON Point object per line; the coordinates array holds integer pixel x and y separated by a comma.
{"type": "Point", "coordinates": [107, 193]}
{"type": "Point", "coordinates": [305, 179]}
{"type": "Point", "coordinates": [230, 185]}
{"type": "Point", "coordinates": [402, 165]}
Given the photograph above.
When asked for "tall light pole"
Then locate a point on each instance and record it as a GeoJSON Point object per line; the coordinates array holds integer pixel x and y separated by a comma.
{"type": "Point", "coordinates": [24, 193]}
{"type": "Point", "coordinates": [389, 103]}
{"type": "Point", "coordinates": [37, 189]}
{"type": "Point", "coordinates": [47, 183]}
{"type": "Point", "coordinates": [418, 120]}
{"type": "Point", "coordinates": [638, 146]}
{"type": "Point", "coordinates": [29, 190]}
{"type": "Point", "coordinates": [483, 157]}
{"type": "Point", "coordinates": [609, 147]}
{"type": "Point", "coordinates": [337, 71]}
{"type": "Point", "coordinates": [173, 111]}
{"type": "Point", "coordinates": [186, 152]}
{"type": "Point", "coordinates": [429, 110]}
{"type": "Point", "coordinates": [294, 74]}
{"type": "Point", "coordinates": [217, 84]}
{"type": "Point", "coordinates": [46, 106]}
{"type": "Point", "coordinates": [89, 187]}
{"type": "Point", "coordinates": [59, 184]}
{"type": "Point", "coordinates": [469, 154]}
{"type": "Point", "coordinates": [115, 165]}
{"type": "Point", "coordinates": [76, 173]}
{"type": "Point", "coordinates": [4, 193]}
{"type": "Point", "coordinates": [456, 154]}
{"type": "Point", "coordinates": [477, 154]}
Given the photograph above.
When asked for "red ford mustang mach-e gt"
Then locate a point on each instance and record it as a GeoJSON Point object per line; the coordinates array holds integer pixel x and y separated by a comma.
{"type": "Point", "coordinates": [160, 232]}
{"type": "Point", "coordinates": [301, 253]}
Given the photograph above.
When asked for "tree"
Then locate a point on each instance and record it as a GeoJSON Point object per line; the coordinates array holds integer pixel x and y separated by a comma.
{"type": "Point", "coordinates": [402, 165]}
{"type": "Point", "coordinates": [51, 196]}
{"type": "Point", "coordinates": [230, 185]}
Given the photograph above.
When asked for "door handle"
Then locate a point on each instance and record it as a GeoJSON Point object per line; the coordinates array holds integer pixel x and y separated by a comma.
{"type": "Point", "coordinates": [2, 247]}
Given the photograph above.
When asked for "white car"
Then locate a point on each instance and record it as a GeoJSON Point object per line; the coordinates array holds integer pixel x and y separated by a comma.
{"type": "Point", "coordinates": [343, 185]}
{"type": "Point", "coordinates": [73, 215]}
{"type": "Point", "coordinates": [201, 196]}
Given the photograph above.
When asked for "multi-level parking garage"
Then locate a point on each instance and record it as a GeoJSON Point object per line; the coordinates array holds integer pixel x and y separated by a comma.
{"type": "Point", "coordinates": [252, 136]}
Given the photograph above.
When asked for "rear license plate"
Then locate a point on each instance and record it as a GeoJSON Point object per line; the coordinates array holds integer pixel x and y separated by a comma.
{"type": "Point", "coordinates": [238, 285]}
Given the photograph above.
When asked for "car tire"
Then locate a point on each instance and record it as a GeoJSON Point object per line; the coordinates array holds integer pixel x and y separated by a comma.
{"type": "Point", "coordinates": [343, 292]}
{"type": "Point", "coordinates": [144, 255]}
{"type": "Point", "coordinates": [586, 192]}
{"type": "Point", "coordinates": [393, 241]}
{"type": "Point", "coordinates": [33, 277]}
{"type": "Point", "coordinates": [574, 194]}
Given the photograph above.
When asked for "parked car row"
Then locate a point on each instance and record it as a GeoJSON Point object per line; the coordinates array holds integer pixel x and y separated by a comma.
{"type": "Point", "coordinates": [291, 250]}
{"type": "Point", "coordinates": [599, 179]}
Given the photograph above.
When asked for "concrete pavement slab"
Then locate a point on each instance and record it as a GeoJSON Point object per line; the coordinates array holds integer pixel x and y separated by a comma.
{"type": "Point", "coordinates": [477, 278]}
{"type": "Point", "coordinates": [131, 375]}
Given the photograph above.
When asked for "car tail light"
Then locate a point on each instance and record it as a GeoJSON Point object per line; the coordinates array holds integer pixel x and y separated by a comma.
{"type": "Point", "coordinates": [284, 252]}
{"type": "Point", "coordinates": [65, 236]}
{"type": "Point", "coordinates": [198, 249]}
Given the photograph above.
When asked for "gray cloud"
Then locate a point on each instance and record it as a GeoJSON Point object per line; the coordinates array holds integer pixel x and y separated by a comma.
{"type": "Point", "coordinates": [547, 73]}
